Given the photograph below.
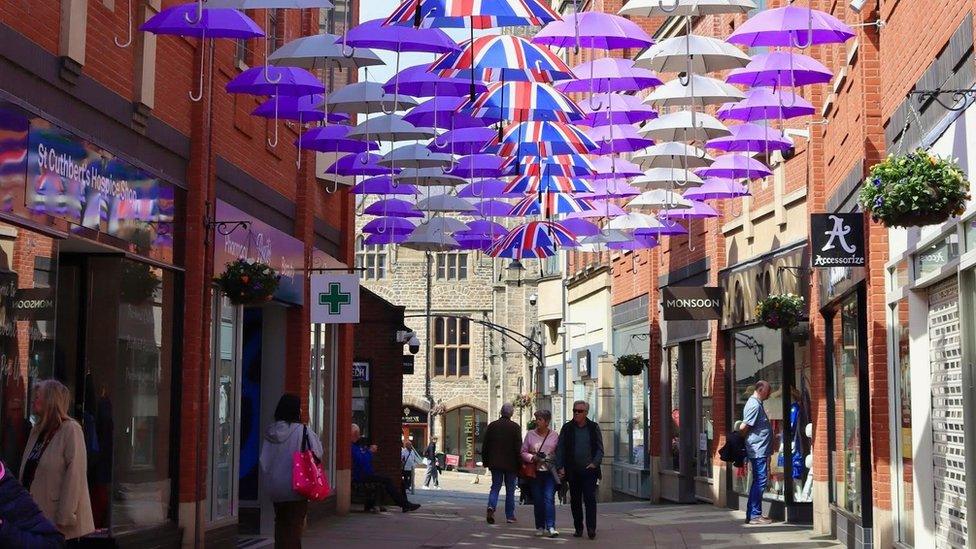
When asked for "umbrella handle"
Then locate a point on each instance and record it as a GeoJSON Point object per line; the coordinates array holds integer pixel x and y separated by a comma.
{"type": "Point", "coordinates": [203, 62]}
{"type": "Point", "coordinates": [186, 16]}
{"type": "Point", "coordinates": [396, 88]}
{"type": "Point", "coordinates": [345, 35]}
{"type": "Point", "coordinates": [274, 142]}
{"type": "Point", "coordinates": [672, 9]}
{"type": "Point", "coordinates": [795, 38]}
{"type": "Point", "coordinates": [128, 26]}
{"type": "Point", "coordinates": [335, 187]}
{"type": "Point", "coordinates": [267, 75]}
{"type": "Point", "coordinates": [576, 10]}
{"type": "Point", "coordinates": [783, 104]}
{"type": "Point", "coordinates": [438, 143]}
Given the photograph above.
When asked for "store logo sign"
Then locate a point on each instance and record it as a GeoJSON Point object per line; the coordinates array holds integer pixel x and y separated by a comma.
{"type": "Point", "coordinates": [33, 304]}
{"type": "Point", "coordinates": [360, 372]}
{"type": "Point", "coordinates": [335, 298]}
{"type": "Point", "coordinates": [838, 240]}
{"type": "Point", "coordinates": [691, 302]}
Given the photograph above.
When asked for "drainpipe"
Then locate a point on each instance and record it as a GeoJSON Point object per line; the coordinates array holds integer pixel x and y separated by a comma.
{"type": "Point", "coordinates": [563, 369]}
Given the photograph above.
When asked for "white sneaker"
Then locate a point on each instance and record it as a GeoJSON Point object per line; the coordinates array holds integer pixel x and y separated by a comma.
{"type": "Point", "coordinates": [437, 487]}
{"type": "Point", "coordinates": [552, 533]}
{"type": "Point", "coordinates": [540, 532]}
{"type": "Point", "coordinates": [425, 487]}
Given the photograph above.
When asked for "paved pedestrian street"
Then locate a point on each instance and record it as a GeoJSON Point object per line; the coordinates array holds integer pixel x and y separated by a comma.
{"type": "Point", "coordinates": [454, 517]}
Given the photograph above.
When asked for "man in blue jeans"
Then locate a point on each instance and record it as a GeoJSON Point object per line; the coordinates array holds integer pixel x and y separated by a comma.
{"type": "Point", "coordinates": [759, 435]}
{"type": "Point", "coordinates": [500, 453]}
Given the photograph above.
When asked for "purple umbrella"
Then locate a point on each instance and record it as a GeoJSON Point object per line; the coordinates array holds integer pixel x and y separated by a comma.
{"type": "Point", "coordinates": [780, 69]}
{"type": "Point", "coordinates": [612, 108]}
{"type": "Point", "coordinates": [791, 26]}
{"type": "Point", "coordinates": [751, 138]}
{"type": "Point", "coordinates": [392, 207]}
{"type": "Point", "coordinates": [478, 165]}
{"type": "Point", "coordinates": [493, 208]}
{"type": "Point", "coordinates": [642, 242]}
{"type": "Point", "coordinates": [611, 188]}
{"type": "Point", "coordinates": [462, 141]}
{"type": "Point", "coordinates": [473, 241]}
{"type": "Point", "coordinates": [698, 210]}
{"type": "Point", "coordinates": [386, 237]}
{"type": "Point", "coordinates": [613, 167]}
{"type": "Point", "coordinates": [417, 82]}
{"type": "Point", "coordinates": [609, 74]}
{"type": "Point", "coordinates": [595, 30]}
{"type": "Point", "coordinates": [282, 81]}
{"type": "Point", "coordinates": [332, 139]}
{"type": "Point", "coordinates": [765, 104]}
{"type": "Point", "coordinates": [441, 112]}
{"type": "Point", "coordinates": [302, 109]}
{"type": "Point", "coordinates": [735, 166]}
{"type": "Point", "coordinates": [601, 208]}
{"type": "Point", "coordinates": [669, 227]}
{"type": "Point", "coordinates": [383, 185]}
{"type": "Point", "coordinates": [618, 138]}
{"type": "Point", "coordinates": [717, 188]}
{"type": "Point", "coordinates": [579, 226]}
{"type": "Point", "coordinates": [483, 226]}
{"type": "Point", "coordinates": [398, 225]}
{"type": "Point", "coordinates": [488, 188]}
{"type": "Point", "coordinates": [359, 164]}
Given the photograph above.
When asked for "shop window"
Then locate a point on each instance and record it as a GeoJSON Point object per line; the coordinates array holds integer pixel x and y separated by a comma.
{"type": "Point", "coordinates": [224, 397]}
{"type": "Point", "coordinates": [452, 346]}
{"type": "Point", "coordinates": [321, 391]}
{"type": "Point", "coordinates": [464, 429]}
{"type": "Point", "coordinates": [452, 266]}
{"type": "Point", "coordinates": [932, 259]}
{"type": "Point", "coordinates": [706, 432]}
{"type": "Point", "coordinates": [370, 260]}
{"type": "Point", "coordinates": [903, 447]}
{"type": "Point", "coordinates": [360, 397]}
{"type": "Point", "coordinates": [846, 443]}
{"type": "Point", "coordinates": [674, 451]}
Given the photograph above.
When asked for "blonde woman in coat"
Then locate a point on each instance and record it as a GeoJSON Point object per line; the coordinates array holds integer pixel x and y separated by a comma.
{"type": "Point", "coordinates": [55, 464]}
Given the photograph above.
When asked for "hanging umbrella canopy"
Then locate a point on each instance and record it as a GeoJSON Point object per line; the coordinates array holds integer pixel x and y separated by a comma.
{"type": "Point", "coordinates": [666, 178]}
{"type": "Point", "coordinates": [334, 139]}
{"type": "Point", "coordinates": [389, 127]}
{"type": "Point", "coordinates": [534, 239]}
{"type": "Point", "coordinates": [380, 239]}
{"type": "Point", "coordinates": [700, 92]}
{"type": "Point", "coordinates": [444, 203]}
{"type": "Point", "coordinates": [609, 74]}
{"type": "Point", "coordinates": [563, 165]}
{"type": "Point", "coordinates": [374, 34]}
{"type": "Point", "coordinates": [428, 238]}
{"type": "Point", "coordinates": [182, 20]}
{"type": "Point", "coordinates": [735, 166]}
{"type": "Point", "coordinates": [643, 242]}
{"type": "Point", "coordinates": [447, 224]}
{"type": "Point", "coordinates": [366, 98]}
{"type": "Point", "coordinates": [634, 221]}
{"type": "Point", "coordinates": [611, 188]}
{"type": "Point", "coordinates": [698, 210]}
{"type": "Point", "coordinates": [392, 207]}
{"type": "Point", "coordinates": [522, 101]}
{"type": "Point", "coordinates": [601, 208]}
{"type": "Point", "coordinates": [603, 109]}
{"type": "Point", "coordinates": [751, 138]}
{"type": "Point", "coordinates": [579, 226]}
{"type": "Point", "coordinates": [441, 112]}
{"type": "Point", "coordinates": [428, 176]}
{"type": "Point", "coordinates": [706, 55]}
{"type": "Point", "coordinates": [463, 141]}
{"type": "Point", "coordinates": [275, 81]}
{"type": "Point", "coordinates": [485, 14]}
{"type": "Point", "coordinates": [613, 167]}
{"type": "Point", "coordinates": [685, 8]}
{"type": "Point", "coordinates": [320, 51]}
{"type": "Point", "coordinates": [415, 155]}
{"type": "Point", "coordinates": [672, 155]}
{"type": "Point", "coordinates": [620, 138]}
{"type": "Point", "coordinates": [483, 226]}
{"type": "Point", "coordinates": [780, 69]}
{"type": "Point", "coordinates": [488, 188]}
{"type": "Point", "coordinates": [288, 107]}
{"type": "Point", "coordinates": [791, 26]}
{"type": "Point", "coordinates": [383, 185]}
{"type": "Point", "coordinates": [418, 82]}
{"type": "Point", "coordinates": [527, 184]}
{"type": "Point", "coordinates": [358, 164]}
{"type": "Point", "coordinates": [600, 240]}
{"type": "Point", "coordinates": [595, 30]}
{"type": "Point", "coordinates": [474, 241]}
{"type": "Point", "coordinates": [478, 165]}
{"type": "Point", "coordinates": [684, 126]}
{"type": "Point", "coordinates": [766, 104]}
{"type": "Point", "coordinates": [399, 225]}
{"type": "Point", "coordinates": [493, 208]}
{"type": "Point", "coordinates": [542, 138]}
{"type": "Point", "coordinates": [659, 199]}
{"type": "Point", "coordinates": [502, 58]}
{"type": "Point", "coordinates": [716, 188]}
{"type": "Point", "coordinates": [548, 204]}
{"type": "Point", "coordinates": [268, 4]}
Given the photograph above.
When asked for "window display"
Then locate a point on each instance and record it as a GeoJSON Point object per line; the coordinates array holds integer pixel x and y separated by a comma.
{"type": "Point", "coordinates": [903, 447]}
{"type": "Point", "coordinates": [706, 432]}
{"type": "Point", "coordinates": [845, 452]}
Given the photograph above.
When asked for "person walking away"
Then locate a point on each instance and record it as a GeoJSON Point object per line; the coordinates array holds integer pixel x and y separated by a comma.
{"type": "Point", "coordinates": [578, 458]}
{"type": "Point", "coordinates": [21, 522]}
{"type": "Point", "coordinates": [759, 434]}
{"type": "Point", "coordinates": [281, 440]}
{"type": "Point", "coordinates": [362, 471]}
{"type": "Point", "coordinates": [500, 454]}
{"type": "Point", "coordinates": [539, 449]}
{"type": "Point", "coordinates": [54, 468]}
{"type": "Point", "coordinates": [409, 458]}
{"type": "Point", "coordinates": [430, 455]}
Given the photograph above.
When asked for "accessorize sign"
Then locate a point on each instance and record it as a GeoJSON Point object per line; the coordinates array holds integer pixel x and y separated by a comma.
{"type": "Point", "coordinates": [691, 302]}
{"type": "Point", "coordinates": [262, 242]}
{"type": "Point", "coordinates": [334, 298]}
{"type": "Point", "coordinates": [837, 240]}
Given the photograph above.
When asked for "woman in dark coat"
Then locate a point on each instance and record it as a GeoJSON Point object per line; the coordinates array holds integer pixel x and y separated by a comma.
{"type": "Point", "coordinates": [22, 525]}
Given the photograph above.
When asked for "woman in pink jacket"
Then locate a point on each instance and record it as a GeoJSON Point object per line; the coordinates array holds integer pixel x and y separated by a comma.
{"type": "Point", "coordinates": [539, 448]}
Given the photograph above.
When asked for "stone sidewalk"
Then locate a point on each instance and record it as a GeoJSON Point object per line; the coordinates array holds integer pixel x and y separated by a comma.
{"type": "Point", "coordinates": [454, 517]}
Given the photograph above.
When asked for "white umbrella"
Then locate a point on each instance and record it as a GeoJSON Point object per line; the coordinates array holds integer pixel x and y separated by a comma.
{"type": "Point", "coordinates": [389, 127]}
{"type": "Point", "coordinates": [666, 178]}
{"type": "Point", "coordinates": [415, 156]}
{"type": "Point", "coordinates": [660, 199]}
{"type": "Point", "coordinates": [428, 176]}
{"type": "Point", "coordinates": [684, 126]}
{"type": "Point", "coordinates": [429, 238]}
{"type": "Point", "coordinates": [366, 98]}
{"type": "Point", "coordinates": [444, 203]}
{"type": "Point", "coordinates": [685, 8]}
{"type": "Point", "coordinates": [672, 155]}
{"type": "Point", "coordinates": [447, 224]}
{"type": "Point", "coordinates": [696, 91]}
{"type": "Point", "coordinates": [634, 221]}
{"type": "Point", "coordinates": [320, 51]}
{"type": "Point", "coordinates": [705, 53]}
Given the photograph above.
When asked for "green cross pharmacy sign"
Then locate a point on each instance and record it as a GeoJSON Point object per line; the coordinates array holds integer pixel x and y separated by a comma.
{"type": "Point", "coordinates": [335, 298]}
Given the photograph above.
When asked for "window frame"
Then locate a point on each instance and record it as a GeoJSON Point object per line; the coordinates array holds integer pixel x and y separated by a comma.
{"type": "Point", "coordinates": [451, 346]}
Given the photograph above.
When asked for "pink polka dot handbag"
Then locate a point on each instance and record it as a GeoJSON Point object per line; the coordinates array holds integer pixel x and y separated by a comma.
{"type": "Point", "coordinates": [307, 477]}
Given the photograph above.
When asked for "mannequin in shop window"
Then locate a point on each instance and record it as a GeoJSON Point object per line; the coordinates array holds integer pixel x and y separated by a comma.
{"type": "Point", "coordinates": [797, 446]}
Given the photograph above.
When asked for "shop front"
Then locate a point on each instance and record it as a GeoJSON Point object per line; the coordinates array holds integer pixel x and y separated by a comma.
{"type": "Point", "coordinates": [91, 295]}
{"type": "Point", "coordinates": [631, 466]}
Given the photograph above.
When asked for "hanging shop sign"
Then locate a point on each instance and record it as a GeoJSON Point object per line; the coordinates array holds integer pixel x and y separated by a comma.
{"type": "Point", "coordinates": [33, 304]}
{"type": "Point", "coordinates": [691, 302]}
{"type": "Point", "coordinates": [262, 242]}
{"type": "Point", "coordinates": [837, 240]}
{"type": "Point", "coordinates": [334, 298]}
{"type": "Point", "coordinates": [583, 363]}
{"type": "Point", "coordinates": [413, 415]}
{"type": "Point", "coordinates": [408, 363]}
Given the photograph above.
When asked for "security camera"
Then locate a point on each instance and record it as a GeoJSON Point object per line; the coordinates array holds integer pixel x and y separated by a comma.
{"type": "Point", "coordinates": [403, 336]}
{"type": "Point", "coordinates": [857, 5]}
{"type": "Point", "coordinates": [414, 345]}
{"type": "Point", "coordinates": [533, 299]}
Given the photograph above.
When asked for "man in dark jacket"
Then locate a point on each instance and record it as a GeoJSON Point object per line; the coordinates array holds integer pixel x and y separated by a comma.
{"type": "Point", "coordinates": [578, 458]}
{"type": "Point", "coordinates": [500, 454]}
{"type": "Point", "coordinates": [21, 523]}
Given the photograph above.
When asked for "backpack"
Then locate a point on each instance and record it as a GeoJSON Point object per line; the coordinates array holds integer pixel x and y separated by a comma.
{"type": "Point", "coordinates": [734, 450]}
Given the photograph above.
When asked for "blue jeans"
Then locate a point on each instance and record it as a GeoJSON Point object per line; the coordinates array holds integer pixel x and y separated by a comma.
{"type": "Point", "coordinates": [497, 476]}
{"type": "Point", "coordinates": [543, 499]}
{"type": "Point", "coordinates": [760, 475]}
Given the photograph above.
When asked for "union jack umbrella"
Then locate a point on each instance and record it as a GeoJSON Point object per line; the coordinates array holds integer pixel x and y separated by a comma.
{"type": "Point", "coordinates": [522, 102]}
{"type": "Point", "coordinates": [547, 204]}
{"type": "Point", "coordinates": [570, 165]}
{"type": "Point", "coordinates": [534, 239]}
{"type": "Point", "coordinates": [502, 58]}
{"type": "Point", "coordinates": [542, 138]}
{"type": "Point", "coordinates": [479, 14]}
{"type": "Point", "coordinates": [549, 185]}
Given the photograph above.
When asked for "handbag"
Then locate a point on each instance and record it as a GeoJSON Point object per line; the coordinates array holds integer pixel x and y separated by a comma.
{"type": "Point", "coordinates": [529, 469]}
{"type": "Point", "coordinates": [307, 477]}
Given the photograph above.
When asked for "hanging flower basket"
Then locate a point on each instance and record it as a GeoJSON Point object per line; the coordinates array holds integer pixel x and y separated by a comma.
{"type": "Point", "coordinates": [631, 365]}
{"type": "Point", "coordinates": [780, 311]}
{"type": "Point", "coordinates": [522, 401]}
{"type": "Point", "coordinates": [248, 282]}
{"type": "Point", "coordinates": [914, 190]}
{"type": "Point", "coordinates": [138, 283]}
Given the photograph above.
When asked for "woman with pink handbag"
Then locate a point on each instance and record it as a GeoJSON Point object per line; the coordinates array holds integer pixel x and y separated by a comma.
{"type": "Point", "coordinates": [290, 470]}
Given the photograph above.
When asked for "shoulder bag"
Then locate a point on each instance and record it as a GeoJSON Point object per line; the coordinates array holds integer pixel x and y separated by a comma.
{"type": "Point", "coordinates": [307, 477]}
